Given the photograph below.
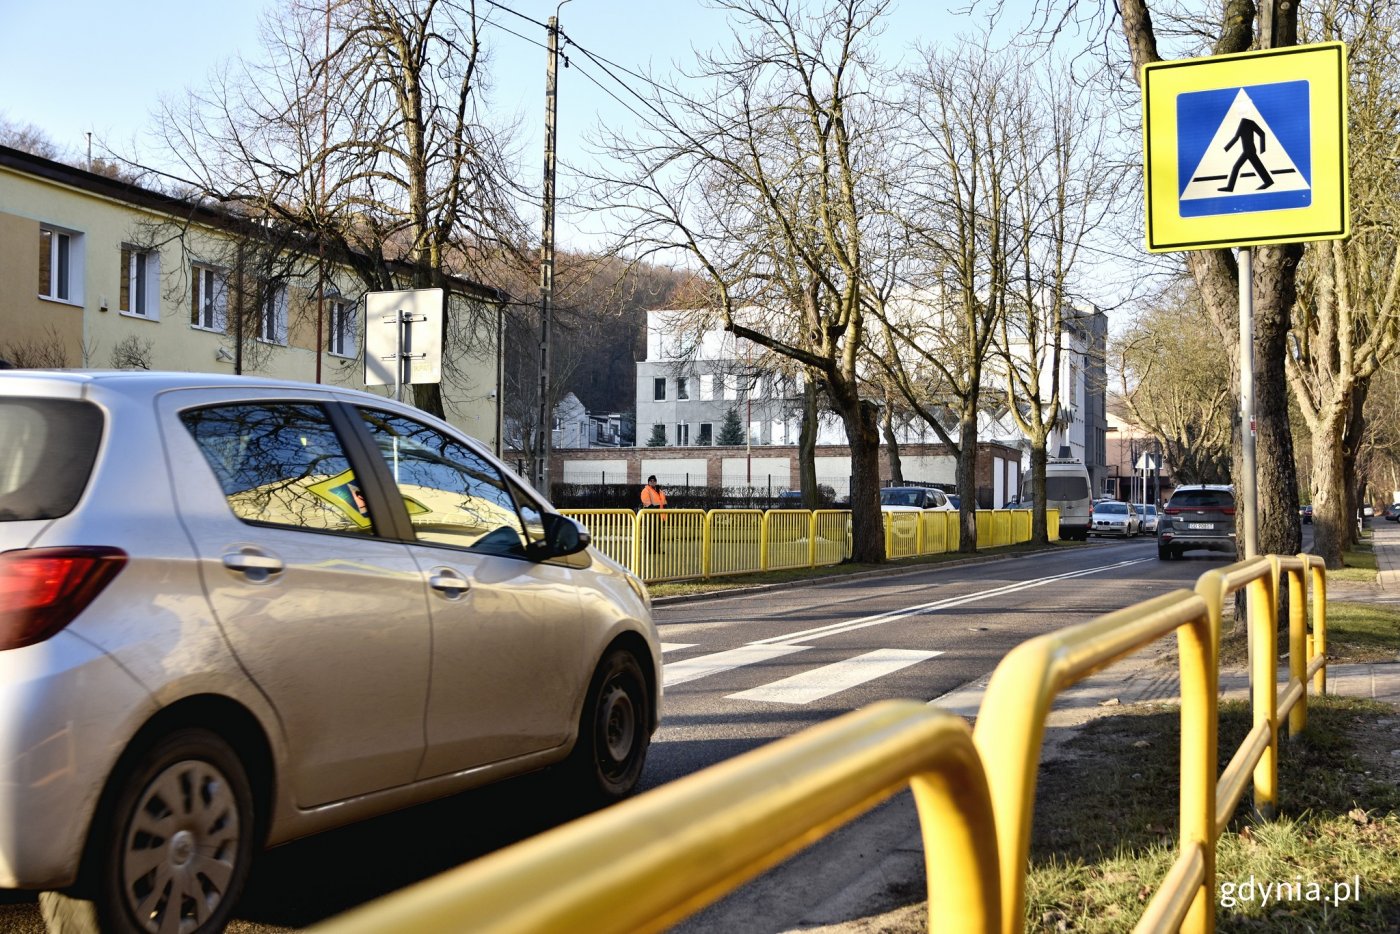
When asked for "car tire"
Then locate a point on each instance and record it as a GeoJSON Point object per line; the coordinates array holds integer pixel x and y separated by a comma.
{"type": "Point", "coordinates": [615, 730]}
{"type": "Point", "coordinates": [1164, 553]}
{"type": "Point", "coordinates": [176, 836]}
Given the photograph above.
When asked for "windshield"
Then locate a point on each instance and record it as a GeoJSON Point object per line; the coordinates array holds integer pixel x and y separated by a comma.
{"type": "Point", "coordinates": [901, 498]}
{"type": "Point", "coordinates": [1112, 509]}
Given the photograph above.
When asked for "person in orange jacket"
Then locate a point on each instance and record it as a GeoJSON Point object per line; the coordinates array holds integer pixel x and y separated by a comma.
{"type": "Point", "coordinates": [653, 497]}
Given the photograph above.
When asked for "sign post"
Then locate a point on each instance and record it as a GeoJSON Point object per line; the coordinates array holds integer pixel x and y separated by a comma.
{"type": "Point", "coordinates": [1242, 151]}
{"type": "Point", "coordinates": [403, 338]}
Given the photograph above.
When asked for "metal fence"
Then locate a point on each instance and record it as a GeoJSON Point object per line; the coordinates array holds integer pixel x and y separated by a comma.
{"type": "Point", "coordinates": [685, 544]}
{"type": "Point", "coordinates": [647, 863]}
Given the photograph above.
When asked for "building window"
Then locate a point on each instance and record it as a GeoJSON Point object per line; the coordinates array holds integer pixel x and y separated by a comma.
{"type": "Point", "coordinates": [731, 387]}
{"type": "Point", "coordinates": [342, 328]}
{"type": "Point", "coordinates": [272, 317]}
{"type": "Point", "coordinates": [208, 298]}
{"type": "Point", "coordinates": [658, 389]}
{"type": "Point", "coordinates": [707, 386]}
{"type": "Point", "coordinates": [683, 434]}
{"type": "Point", "coordinates": [683, 388]}
{"type": "Point", "coordinates": [140, 280]}
{"type": "Point", "coordinates": [707, 434]}
{"type": "Point", "coordinates": [60, 265]}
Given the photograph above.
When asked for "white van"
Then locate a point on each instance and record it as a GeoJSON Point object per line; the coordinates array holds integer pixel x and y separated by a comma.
{"type": "Point", "coordinates": [1066, 489]}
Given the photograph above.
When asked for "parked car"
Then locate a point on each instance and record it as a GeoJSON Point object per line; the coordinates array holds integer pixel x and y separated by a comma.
{"type": "Point", "coordinates": [1148, 513]}
{"type": "Point", "coordinates": [1306, 513]}
{"type": "Point", "coordinates": [913, 498]}
{"type": "Point", "coordinates": [954, 500]}
{"type": "Point", "coordinates": [238, 611]}
{"type": "Point", "coordinates": [1115, 518]}
{"type": "Point", "coordinates": [1392, 512]}
{"type": "Point", "coordinates": [1197, 517]}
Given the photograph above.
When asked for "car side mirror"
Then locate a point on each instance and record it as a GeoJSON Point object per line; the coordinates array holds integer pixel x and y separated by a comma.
{"type": "Point", "coordinates": [562, 536]}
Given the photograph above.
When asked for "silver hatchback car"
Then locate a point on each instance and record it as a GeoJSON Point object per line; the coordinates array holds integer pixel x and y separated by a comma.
{"type": "Point", "coordinates": [237, 611]}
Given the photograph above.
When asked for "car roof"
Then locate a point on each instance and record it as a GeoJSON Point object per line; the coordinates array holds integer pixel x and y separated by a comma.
{"type": "Point", "coordinates": [1204, 486]}
{"type": "Point", "coordinates": [150, 382]}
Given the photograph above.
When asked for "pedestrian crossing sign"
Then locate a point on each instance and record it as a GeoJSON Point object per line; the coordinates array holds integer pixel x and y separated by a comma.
{"type": "Point", "coordinates": [1243, 150]}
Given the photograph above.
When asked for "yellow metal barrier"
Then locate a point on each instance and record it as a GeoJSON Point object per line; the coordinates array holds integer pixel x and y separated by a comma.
{"type": "Point", "coordinates": [671, 544]}
{"type": "Point", "coordinates": [787, 539]}
{"type": "Point", "coordinates": [903, 531]}
{"type": "Point", "coordinates": [1011, 728]}
{"type": "Point", "coordinates": [614, 532]}
{"type": "Point", "coordinates": [734, 542]}
{"type": "Point", "coordinates": [647, 863]}
{"type": "Point", "coordinates": [680, 544]}
{"type": "Point", "coordinates": [831, 536]}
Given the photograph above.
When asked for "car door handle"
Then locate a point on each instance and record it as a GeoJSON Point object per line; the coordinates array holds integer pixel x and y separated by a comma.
{"type": "Point", "coordinates": [449, 582]}
{"type": "Point", "coordinates": [255, 564]}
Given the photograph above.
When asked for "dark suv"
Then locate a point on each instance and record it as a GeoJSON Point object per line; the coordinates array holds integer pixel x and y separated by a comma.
{"type": "Point", "coordinates": [1197, 517]}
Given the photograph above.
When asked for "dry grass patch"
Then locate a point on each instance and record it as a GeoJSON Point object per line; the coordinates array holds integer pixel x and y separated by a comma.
{"type": "Point", "coordinates": [1105, 827]}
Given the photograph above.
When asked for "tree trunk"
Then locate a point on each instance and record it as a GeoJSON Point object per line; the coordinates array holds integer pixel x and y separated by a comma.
{"type": "Point", "coordinates": [807, 447]}
{"type": "Point", "coordinates": [1040, 532]}
{"type": "Point", "coordinates": [891, 443]}
{"type": "Point", "coordinates": [1275, 289]}
{"type": "Point", "coordinates": [1331, 522]}
{"type": "Point", "coordinates": [967, 480]}
{"type": "Point", "coordinates": [1350, 481]}
{"type": "Point", "coordinates": [867, 523]}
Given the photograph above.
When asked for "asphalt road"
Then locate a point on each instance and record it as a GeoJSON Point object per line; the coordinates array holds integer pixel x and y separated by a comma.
{"type": "Point", "coordinates": [741, 671]}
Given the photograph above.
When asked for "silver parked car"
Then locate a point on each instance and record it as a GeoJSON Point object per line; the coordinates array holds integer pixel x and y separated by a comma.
{"type": "Point", "coordinates": [238, 611]}
{"type": "Point", "coordinates": [1148, 513]}
{"type": "Point", "coordinates": [1111, 517]}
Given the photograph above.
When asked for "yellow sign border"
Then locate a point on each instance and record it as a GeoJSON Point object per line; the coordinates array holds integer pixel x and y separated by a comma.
{"type": "Point", "coordinates": [1323, 65]}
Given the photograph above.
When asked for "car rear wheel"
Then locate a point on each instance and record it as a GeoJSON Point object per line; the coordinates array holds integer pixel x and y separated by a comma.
{"type": "Point", "coordinates": [615, 731]}
{"type": "Point", "coordinates": [173, 850]}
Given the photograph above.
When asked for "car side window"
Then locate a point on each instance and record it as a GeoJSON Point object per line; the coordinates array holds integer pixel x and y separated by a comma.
{"type": "Point", "coordinates": [281, 463]}
{"type": "Point", "coordinates": [453, 495]}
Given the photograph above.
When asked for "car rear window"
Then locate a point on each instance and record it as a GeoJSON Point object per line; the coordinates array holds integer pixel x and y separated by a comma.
{"type": "Point", "coordinates": [1202, 499]}
{"type": "Point", "coordinates": [47, 456]}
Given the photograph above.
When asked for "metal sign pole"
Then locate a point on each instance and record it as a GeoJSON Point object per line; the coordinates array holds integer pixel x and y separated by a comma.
{"type": "Point", "coordinates": [1249, 499]}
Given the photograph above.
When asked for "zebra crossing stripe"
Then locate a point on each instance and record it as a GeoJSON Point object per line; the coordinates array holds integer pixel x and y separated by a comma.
{"type": "Point", "coordinates": [676, 646]}
{"type": "Point", "coordinates": [834, 678]}
{"type": "Point", "coordinates": [703, 666]}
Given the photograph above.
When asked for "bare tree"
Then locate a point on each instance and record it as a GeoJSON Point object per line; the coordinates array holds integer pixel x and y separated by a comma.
{"type": "Point", "coordinates": [132, 353]}
{"type": "Point", "coordinates": [363, 126]}
{"type": "Point", "coordinates": [1347, 322]}
{"type": "Point", "coordinates": [1232, 29]}
{"type": "Point", "coordinates": [1066, 180]}
{"type": "Point", "coordinates": [1175, 382]}
{"type": "Point", "coordinates": [768, 181]}
{"type": "Point", "coordinates": [966, 108]}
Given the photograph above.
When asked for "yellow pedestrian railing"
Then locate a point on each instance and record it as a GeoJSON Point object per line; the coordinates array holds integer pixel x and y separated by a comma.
{"type": "Point", "coordinates": [647, 863]}
{"type": "Point", "coordinates": [683, 544]}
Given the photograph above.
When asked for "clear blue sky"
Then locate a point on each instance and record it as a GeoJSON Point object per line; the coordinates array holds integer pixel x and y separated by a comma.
{"type": "Point", "coordinates": [74, 66]}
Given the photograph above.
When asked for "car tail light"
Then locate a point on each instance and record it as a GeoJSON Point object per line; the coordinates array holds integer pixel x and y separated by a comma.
{"type": "Point", "coordinates": [43, 589]}
{"type": "Point", "coordinates": [1228, 510]}
{"type": "Point", "coordinates": [1172, 510]}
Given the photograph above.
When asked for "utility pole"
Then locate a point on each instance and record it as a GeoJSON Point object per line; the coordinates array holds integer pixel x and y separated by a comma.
{"type": "Point", "coordinates": [551, 105]}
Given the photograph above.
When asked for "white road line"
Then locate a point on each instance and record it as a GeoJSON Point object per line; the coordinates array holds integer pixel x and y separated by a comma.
{"type": "Point", "coordinates": [677, 646]}
{"type": "Point", "coordinates": [705, 665]}
{"type": "Point", "coordinates": [850, 625]}
{"type": "Point", "coordinates": [832, 679]}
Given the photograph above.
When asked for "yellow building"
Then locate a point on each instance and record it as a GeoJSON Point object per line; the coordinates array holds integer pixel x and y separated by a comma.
{"type": "Point", "coordinates": [97, 272]}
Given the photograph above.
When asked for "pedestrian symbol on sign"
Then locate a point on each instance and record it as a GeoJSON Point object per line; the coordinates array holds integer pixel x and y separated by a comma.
{"type": "Point", "coordinates": [1244, 149]}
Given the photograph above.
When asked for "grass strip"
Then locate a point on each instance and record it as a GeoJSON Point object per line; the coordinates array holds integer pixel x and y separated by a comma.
{"type": "Point", "coordinates": [1105, 826]}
